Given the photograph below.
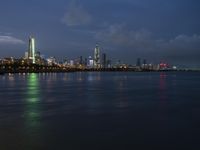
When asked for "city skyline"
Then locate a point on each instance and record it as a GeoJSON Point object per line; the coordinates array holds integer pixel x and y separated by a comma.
{"type": "Point", "coordinates": [126, 30]}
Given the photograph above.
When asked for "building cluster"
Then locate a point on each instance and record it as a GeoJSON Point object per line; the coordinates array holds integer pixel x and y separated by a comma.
{"type": "Point", "coordinates": [143, 65]}
{"type": "Point", "coordinates": [34, 57]}
{"type": "Point", "coordinates": [97, 61]}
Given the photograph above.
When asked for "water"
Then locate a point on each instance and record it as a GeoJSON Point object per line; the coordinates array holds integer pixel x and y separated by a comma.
{"type": "Point", "coordinates": [100, 111]}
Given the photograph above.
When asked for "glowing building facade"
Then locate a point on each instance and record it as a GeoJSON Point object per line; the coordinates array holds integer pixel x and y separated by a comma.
{"type": "Point", "coordinates": [31, 51]}
{"type": "Point", "coordinates": [97, 57]}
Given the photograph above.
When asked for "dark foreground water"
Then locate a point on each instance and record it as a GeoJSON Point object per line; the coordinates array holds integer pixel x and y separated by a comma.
{"type": "Point", "coordinates": [100, 111]}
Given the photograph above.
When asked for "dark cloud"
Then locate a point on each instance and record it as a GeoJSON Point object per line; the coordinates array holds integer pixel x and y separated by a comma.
{"type": "Point", "coordinates": [183, 48]}
{"type": "Point", "coordinates": [76, 15]}
{"type": "Point", "coordinates": [143, 43]}
{"type": "Point", "coordinates": [119, 35]}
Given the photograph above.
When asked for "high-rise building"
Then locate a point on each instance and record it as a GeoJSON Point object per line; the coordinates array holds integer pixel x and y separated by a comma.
{"type": "Point", "coordinates": [144, 62]}
{"type": "Point", "coordinates": [37, 54]}
{"type": "Point", "coordinates": [104, 61]}
{"type": "Point", "coordinates": [90, 62]}
{"type": "Point", "coordinates": [138, 64]}
{"type": "Point", "coordinates": [31, 51]}
{"type": "Point", "coordinates": [86, 61]}
{"type": "Point", "coordinates": [81, 60]}
{"type": "Point", "coordinates": [26, 55]}
{"type": "Point", "coordinates": [97, 57]}
{"type": "Point", "coordinates": [38, 59]}
{"type": "Point", "coordinates": [109, 63]}
{"type": "Point", "coordinates": [144, 65]}
{"type": "Point", "coordinates": [51, 61]}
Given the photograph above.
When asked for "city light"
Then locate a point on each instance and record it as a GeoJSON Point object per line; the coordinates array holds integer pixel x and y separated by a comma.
{"type": "Point", "coordinates": [34, 62]}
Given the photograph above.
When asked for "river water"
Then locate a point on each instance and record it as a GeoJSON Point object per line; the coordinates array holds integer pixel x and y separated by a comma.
{"type": "Point", "coordinates": [93, 110]}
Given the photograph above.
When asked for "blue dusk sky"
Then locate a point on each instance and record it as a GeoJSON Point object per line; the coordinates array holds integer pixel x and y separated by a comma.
{"type": "Point", "coordinates": [157, 30]}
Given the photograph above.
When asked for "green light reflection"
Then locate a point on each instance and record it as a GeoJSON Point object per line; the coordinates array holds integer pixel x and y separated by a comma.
{"type": "Point", "coordinates": [32, 112]}
{"type": "Point", "coordinates": [33, 88]}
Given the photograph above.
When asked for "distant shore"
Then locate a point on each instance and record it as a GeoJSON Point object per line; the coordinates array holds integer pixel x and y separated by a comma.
{"type": "Point", "coordinates": [71, 70]}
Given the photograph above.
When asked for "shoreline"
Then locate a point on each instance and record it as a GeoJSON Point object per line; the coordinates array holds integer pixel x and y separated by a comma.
{"type": "Point", "coordinates": [91, 70]}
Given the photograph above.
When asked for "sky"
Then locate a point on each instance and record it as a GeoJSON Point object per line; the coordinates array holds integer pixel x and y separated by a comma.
{"type": "Point", "coordinates": [155, 30]}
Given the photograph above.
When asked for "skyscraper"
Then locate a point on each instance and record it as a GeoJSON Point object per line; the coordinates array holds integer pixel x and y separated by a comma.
{"type": "Point", "coordinates": [81, 60]}
{"type": "Point", "coordinates": [138, 64]}
{"type": "Point", "coordinates": [144, 62]}
{"type": "Point", "coordinates": [104, 61]}
{"type": "Point", "coordinates": [91, 62]}
{"type": "Point", "coordinates": [31, 51]}
{"type": "Point", "coordinates": [97, 57]}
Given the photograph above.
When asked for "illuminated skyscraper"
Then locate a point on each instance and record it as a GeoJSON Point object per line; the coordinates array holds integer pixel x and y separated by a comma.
{"type": "Point", "coordinates": [90, 62]}
{"type": "Point", "coordinates": [31, 51]}
{"type": "Point", "coordinates": [97, 57]}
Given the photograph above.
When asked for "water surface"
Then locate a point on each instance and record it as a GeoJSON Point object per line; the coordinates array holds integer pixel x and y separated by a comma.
{"type": "Point", "coordinates": [100, 111]}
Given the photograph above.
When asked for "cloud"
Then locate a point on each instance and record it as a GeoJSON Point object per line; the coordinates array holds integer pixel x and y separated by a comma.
{"type": "Point", "coordinates": [182, 46]}
{"type": "Point", "coordinates": [184, 41]}
{"type": "Point", "coordinates": [76, 15]}
{"type": "Point", "coordinates": [5, 39]}
{"type": "Point", "coordinates": [118, 35]}
{"type": "Point", "coordinates": [143, 43]}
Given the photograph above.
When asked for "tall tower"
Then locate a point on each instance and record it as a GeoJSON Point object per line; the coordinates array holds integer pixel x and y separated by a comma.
{"type": "Point", "coordinates": [31, 51]}
{"type": "Point", "coordinates": [104, 61]}
{"type": "Point", "coordinates": [138, 64]}
{"type": "Point", "coordinates": [97, 57]}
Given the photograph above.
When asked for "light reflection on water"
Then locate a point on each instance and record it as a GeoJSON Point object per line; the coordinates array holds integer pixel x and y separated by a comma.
{"type": "Point", "coordinates": [162, 88]}
{"type": "Point", "coordinates": [94, 76]}
{"type": "Point", "coordinates": [32, 108]}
